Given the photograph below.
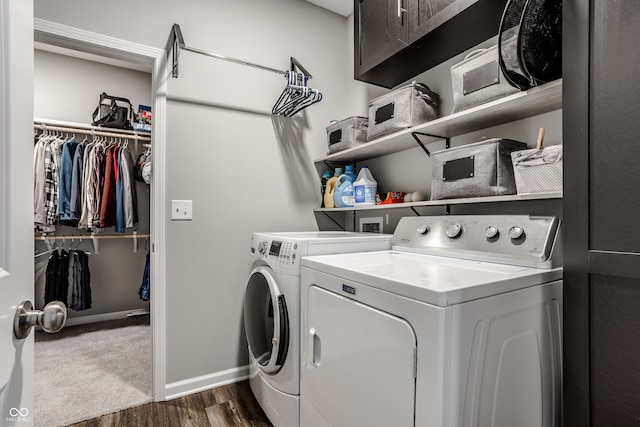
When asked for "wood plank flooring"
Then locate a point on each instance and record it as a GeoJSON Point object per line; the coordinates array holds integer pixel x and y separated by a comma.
{"type": "Point", "coordinates": [231, 405]}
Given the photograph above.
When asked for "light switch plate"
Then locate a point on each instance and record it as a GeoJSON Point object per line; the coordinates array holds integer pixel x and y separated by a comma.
{"type": "Point", "coordinates": [181, 210]}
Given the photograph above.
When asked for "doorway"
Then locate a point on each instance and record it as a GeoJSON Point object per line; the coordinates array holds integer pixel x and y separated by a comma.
{"type": "Point", "coordinates": [90, 46]}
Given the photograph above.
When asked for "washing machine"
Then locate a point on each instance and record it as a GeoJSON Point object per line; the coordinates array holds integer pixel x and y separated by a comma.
{"type": "Point", "coordinates": [459, 324]}
{"type": "Point", "coordinates": [272, 311]}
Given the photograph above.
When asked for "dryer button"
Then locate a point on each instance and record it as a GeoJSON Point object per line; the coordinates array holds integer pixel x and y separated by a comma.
{"type": "Point", "coordinates": [454, 231]}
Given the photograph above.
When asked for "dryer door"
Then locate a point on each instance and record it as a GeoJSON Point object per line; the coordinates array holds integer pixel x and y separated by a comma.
{"type": "Point", "coordinates": [266, 320]}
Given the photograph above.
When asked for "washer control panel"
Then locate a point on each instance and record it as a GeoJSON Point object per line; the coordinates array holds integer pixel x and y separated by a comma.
{"type": "Point", "coordinates": [280, 251]}
{"type": "Point", "coordinates": [493, 238]}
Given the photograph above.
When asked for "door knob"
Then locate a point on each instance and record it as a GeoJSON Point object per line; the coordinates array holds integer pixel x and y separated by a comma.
{"type": "Point", "coordinates": [51, 318]}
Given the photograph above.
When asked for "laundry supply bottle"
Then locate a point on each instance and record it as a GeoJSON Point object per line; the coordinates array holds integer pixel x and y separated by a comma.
{"type": "Point", "coordinates": [365, 188]}
{"type": "Point", "coordinates": [343, 192]}
{"type": "Point", "coordinates": [348, 170]}
{"type": "Point", "coordinates": [328, 192]}
{"type": "Point", "coordinates": [325, 177]}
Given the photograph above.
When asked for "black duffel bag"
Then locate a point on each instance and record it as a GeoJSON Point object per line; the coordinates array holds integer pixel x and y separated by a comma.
{"type": "Point", "coordinates": [113, 112]}
{"type": "Point", "coordinates": [530, 42]}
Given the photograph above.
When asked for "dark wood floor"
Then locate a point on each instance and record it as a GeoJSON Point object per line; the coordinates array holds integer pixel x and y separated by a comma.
{"type": "Point", "coordinates": [230, 405]}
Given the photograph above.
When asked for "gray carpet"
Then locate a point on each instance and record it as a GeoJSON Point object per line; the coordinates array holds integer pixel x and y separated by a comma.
{"type": "Point", "coordinates": [90, 370]}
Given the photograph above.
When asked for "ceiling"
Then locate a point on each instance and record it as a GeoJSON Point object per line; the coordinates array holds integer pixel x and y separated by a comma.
{"type": "Point", "coordinates": [341, 7]}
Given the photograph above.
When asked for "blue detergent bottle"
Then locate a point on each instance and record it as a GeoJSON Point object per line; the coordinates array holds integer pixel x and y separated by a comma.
{"type": "Point", "coordinates": [343, 192]}
{"type": "Point", "coordinates": [349, 170]}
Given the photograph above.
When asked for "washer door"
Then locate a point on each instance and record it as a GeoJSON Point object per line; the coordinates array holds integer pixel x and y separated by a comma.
{"type": "Point", "coordinates": [266, 320]}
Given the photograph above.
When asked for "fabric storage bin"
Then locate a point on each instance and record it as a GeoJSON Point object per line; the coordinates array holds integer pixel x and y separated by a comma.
{"type": "Point", "coordinates": [539, 170]}
{"type": "Point", "coordinates": [347, 133]}
{"type": "Point", "coordinates": [475, 170]}
{"type": "Point", "coordinates": [478, 79]}
{"type": "Point", "coordinates": [402, 108]}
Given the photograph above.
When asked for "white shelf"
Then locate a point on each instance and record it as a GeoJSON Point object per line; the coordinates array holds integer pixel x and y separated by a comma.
{"type": "Point", "coordinates": [518, 106]}
{"type": "Point", "coordinates": [469, 200]}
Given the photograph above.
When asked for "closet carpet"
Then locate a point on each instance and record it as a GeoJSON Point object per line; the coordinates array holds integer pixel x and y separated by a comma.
{"type": "Point", "coordinates": [85, 371]}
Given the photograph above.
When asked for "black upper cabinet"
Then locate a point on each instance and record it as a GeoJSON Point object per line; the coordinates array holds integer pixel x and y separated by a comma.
{"type": "Point", "coordinates": [396, 40]}
{"type": "Point", "coordinates": [382, 32]}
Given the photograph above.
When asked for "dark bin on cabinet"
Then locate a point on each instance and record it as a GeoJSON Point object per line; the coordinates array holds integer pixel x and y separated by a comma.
{"type": "Point", "coordinates": [475, 170]}
{"type": "Point", "coordinates": [346, 133]}
{"type": "Point", "coordinates": [402, 108]}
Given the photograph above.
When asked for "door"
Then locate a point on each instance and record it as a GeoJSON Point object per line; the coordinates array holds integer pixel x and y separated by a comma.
{"type": "Point", "coordinates": [360, 367]}
{"type": "Point", "coordinates": [16, 202]}
{"type": "Point", "coordinates": [266, 320]}
{"type": "Point", "coordinates": [382, 30]}
{"type": "Point", "coordinates": [601, 56]}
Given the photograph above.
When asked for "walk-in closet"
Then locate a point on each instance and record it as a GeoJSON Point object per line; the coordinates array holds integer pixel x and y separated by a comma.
{"type": "Point", "coordinates": [96, 262]}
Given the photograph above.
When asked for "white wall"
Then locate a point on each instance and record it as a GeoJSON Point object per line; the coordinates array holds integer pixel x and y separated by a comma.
{"type": "Point", "coordinates": [243, 171]}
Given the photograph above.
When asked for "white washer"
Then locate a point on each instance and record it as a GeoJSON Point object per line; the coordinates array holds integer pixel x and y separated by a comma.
{"type": "Point", "coordinates": [459, 324]}
{"type": "Point", "coordinates": [272, 311]}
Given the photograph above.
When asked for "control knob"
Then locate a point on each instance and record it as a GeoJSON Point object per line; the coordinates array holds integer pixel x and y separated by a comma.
{"type": "Point", "coordinates": [516, 232]}
{"type": "Point", "coordinates": [423, 229]}
{"type": "Point", "coordinates": [454, 231]}
{"type": "Point", "coordinates": [262, 247]}
{"type": "Point", "coordinates": [491, 232]}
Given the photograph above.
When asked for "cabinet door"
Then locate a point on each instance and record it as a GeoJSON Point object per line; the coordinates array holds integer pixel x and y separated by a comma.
{"type": "Point", "coordinates": [426, 15]}
{"type": "Point", "coordinates": [381, 29]}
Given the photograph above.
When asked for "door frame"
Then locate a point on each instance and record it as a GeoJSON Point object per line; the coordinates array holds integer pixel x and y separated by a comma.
{"type": "Point", "coordinates": [97, 44]}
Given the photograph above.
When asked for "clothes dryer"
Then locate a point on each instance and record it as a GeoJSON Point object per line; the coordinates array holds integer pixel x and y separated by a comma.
{"type": "Point", "coordinates": [459, 324]}
{"type": "Point", "coordinates": [272, 311]}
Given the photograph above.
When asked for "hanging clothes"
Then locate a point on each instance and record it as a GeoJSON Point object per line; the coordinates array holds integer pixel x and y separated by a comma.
{"type": "Point", "coordinates": [57, 277]}
{"type": "Point", "coordinates": [89, 185]}
{"type": "Point", "coordinates": [79, 282]}
{"type": "Point", "coordinates": [65, 183]}
{"type": "Point", "coordinates": [145, 292]}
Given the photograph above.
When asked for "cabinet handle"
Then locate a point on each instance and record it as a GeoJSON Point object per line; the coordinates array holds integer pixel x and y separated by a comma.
{"type": "Point", "coordinates": [400, 9]}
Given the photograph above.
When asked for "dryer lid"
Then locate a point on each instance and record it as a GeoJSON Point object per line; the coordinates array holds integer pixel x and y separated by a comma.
{"type": "Point", "coordinates": [436, 280]}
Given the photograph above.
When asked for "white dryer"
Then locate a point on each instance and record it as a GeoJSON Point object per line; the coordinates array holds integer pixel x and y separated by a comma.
{"type": "Point", "coordinates": [272, 311]}
{"type": "Point", "coordinates": [459, 324]}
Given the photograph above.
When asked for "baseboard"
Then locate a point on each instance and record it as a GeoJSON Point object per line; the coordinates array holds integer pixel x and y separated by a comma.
{"type": "Point", "coordinates": [206, 382]}
{"type": "Point", "coordinates": [93, 318]}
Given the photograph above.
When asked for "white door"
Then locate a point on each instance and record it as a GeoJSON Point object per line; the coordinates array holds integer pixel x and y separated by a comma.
{"type": "Point", "coordinates": [16, 207]}
{"type": "Point", "coordinates": [360, 367]}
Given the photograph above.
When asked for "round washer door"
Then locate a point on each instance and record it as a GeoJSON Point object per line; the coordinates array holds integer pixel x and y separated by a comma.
{"type": "Point", "coordinates": [266, 320]}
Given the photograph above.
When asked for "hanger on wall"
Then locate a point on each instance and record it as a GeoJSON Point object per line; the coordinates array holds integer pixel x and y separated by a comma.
{"type": "Point", "coordinates": [295, 97]}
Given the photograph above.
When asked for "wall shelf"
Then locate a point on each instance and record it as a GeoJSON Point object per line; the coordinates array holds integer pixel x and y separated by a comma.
{"type": "Point", "coordinates": [448, 202]}
{"type": "Point", "coordinates": [518, 106]}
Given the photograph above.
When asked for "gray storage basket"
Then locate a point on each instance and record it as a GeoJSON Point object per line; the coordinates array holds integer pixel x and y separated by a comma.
{"type": "Point", "coordinates": [402, 108]}
{"type": "Point", "coordinates": [347, 133]}
{"type": "Point", "coordinates": [538, 171]}
{"type": "Point", "coordinates": [475, 170]}
{"type": "Point", "coordinates": [478, 79]}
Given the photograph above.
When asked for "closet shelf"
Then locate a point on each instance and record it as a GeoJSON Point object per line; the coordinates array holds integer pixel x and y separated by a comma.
{"type": "Point", "coordinates": [469, 200]}
{"type": "Point", "coordinates": [518, 106]}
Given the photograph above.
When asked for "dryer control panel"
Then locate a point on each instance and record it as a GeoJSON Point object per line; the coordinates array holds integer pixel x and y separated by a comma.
{"type": "Point", "coordinates": [524, 240]}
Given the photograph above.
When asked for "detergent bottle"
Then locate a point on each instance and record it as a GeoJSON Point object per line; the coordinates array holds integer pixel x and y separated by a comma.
{"type": "Point", "coordinates": [365, 188]}
{"type": "Point", "coordinates": [348, 170]}
{"type": "Point", "coordinates": [325, 177]}
{"type": "Point", "coordinates": [328, 192]}
{"type": "Point", "coordinates": [343, 192]}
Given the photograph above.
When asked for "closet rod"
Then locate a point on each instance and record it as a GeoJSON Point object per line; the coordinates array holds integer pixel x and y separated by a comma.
{"type": "Point", "coordinates": [90, 130]}
{"type": "Point", "coordinates": [176, 41]}
{"type": "Point", "coordinates": [92, 236]}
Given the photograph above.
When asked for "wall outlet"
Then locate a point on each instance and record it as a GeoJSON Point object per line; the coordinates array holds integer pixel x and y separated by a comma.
{"type": "Point", "coordinates": [371, 225]}
{"type": "Point", "coordinates": [181, 210]}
